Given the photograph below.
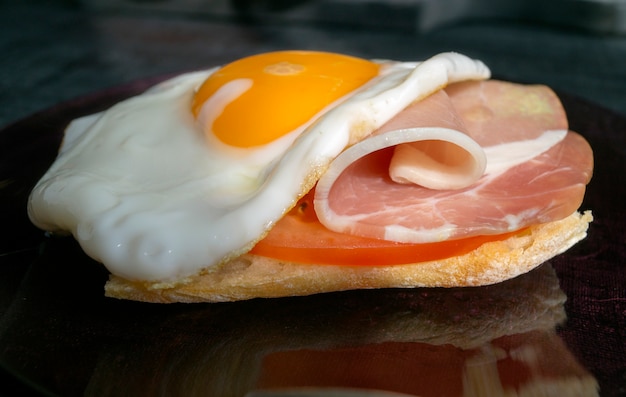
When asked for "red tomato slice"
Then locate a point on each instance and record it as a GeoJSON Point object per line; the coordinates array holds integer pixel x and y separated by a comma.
{"type": "Point", "coordinates": [300, 237]}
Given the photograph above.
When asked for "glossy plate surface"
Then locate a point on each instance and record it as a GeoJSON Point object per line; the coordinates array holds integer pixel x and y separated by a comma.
{"type": "Point", "coordinates": [60, 335]}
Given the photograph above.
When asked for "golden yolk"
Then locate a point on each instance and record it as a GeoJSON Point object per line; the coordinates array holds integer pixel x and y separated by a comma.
{"type": "Point", "coordinates": [288, 88]}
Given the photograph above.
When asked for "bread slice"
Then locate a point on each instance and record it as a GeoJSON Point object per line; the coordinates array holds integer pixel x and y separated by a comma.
{"type": "Point", "coordinates": [251, 276]}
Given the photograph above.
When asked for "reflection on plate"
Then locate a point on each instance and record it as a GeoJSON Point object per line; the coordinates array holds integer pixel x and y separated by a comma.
{"type": "Point", "coordinates": [60, 334]}
{"type": "Point", "coordinates": [498, 340]}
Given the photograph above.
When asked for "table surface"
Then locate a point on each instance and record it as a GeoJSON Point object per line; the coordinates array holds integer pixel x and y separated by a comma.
{"type": "Point", "coordinates": [59, 51]}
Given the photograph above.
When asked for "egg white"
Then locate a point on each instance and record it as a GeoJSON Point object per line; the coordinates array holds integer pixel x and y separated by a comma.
{"type": "Point", "coordinates": [145, 192]}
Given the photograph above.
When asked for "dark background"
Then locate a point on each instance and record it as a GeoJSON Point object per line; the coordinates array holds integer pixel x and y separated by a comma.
{"type": "Point", "coordinates": [56, 50]}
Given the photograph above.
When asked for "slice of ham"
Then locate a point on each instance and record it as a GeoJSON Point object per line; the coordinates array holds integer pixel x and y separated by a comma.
{"type": "Point", "coordinates": [439, 154]}
{"type": "Point", "coordinates": [536, 171]}
{"type": "Point", "coordinates": [432, 147]}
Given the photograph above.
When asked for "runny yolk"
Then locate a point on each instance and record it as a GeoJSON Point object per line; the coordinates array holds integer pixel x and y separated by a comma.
{"type": "Point", "coordinates": [287, 89]}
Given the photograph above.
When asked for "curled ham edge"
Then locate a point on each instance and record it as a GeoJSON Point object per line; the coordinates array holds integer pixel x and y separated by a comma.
{"type": "Point", "coordinates": [433, 157]}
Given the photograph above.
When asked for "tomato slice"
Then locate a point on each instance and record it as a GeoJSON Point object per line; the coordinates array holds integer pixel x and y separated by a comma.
{"type": "Point", "coordinates": [300, 237]}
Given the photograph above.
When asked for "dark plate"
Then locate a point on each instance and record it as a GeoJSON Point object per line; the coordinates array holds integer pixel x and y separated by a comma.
{"type": "Point", "coordinates": [59, 335]}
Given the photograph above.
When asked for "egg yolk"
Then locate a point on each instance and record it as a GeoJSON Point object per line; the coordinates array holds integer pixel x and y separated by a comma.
{"type": "Point", "coordinates": [287, 89]}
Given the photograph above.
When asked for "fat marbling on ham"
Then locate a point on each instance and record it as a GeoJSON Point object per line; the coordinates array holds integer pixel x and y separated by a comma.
{"type": "Point", "coordinates": [477, 158]}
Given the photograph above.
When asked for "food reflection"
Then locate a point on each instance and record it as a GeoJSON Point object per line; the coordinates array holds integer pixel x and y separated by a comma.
{"type": "Point", "coordinates": [498, 340]}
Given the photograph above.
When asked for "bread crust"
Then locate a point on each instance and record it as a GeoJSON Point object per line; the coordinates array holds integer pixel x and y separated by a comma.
{"type": "Point", "coordinates": [251, 276]}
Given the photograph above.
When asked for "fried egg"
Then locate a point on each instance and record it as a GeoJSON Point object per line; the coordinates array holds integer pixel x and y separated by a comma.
{"type": "Point", "coordinates": [196, 170]}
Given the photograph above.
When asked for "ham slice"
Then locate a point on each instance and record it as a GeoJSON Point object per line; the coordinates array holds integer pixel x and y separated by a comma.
{"type": "Point", "coordinates": [431, 144]}
{"type": "Point", "coordinates": [441, 154]}
{"type": "Point", "coordinates": [536, 171]}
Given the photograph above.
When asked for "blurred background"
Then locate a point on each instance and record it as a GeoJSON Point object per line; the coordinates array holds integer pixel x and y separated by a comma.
{"type": "Point", "coordinates": [53, 51]}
